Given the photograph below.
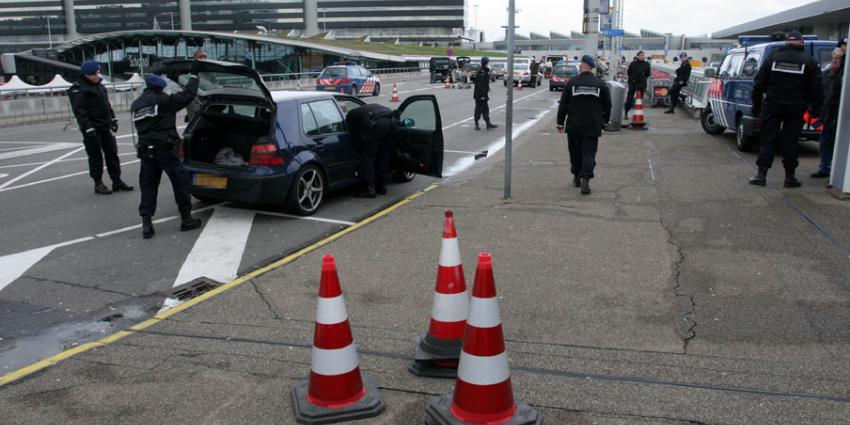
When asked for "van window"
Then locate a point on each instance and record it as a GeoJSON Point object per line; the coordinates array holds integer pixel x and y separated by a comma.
{"type": "Point", "coordinates": [735, 65]}
{"type": "Point", "coordinates": [824, 58]}
{"type": "Point", "coordinates": [751, 65]}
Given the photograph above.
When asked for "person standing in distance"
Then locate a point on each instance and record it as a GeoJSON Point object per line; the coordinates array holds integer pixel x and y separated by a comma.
{"type": "Point", "coordinates": [792, 81]}
{"type": "Point", "coordinates": [683, 74]}
{"type": "Point", "coordinates": [154, 114]}
{"type": "Point", "coordinates": [97, 122]}
{"type": "Point", "coordinates": [585, 109]}
{"type": "Point", "coordinates": [638, 73]}
{"type": "Point", "coordinates": [481, 93]}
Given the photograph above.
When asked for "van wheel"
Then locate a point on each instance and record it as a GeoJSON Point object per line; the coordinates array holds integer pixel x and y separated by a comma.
{"type": "Point", "coordinates": [307, 191]}
{"type": "Point", "coordinates": [709, 122]}
{"type": "Point", "coordinates": [744, 142]}
{"type": "Point", "coordinates": [377, 91]}
{"type": "Point", "coordinates": [353, 90]}
{"type": "Point", "coordinates": [403, 176]}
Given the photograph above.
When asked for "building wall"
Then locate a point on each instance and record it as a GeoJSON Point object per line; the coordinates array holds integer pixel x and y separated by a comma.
{"type": "Point", "coordinates": [30, 18]}
{"type": "Point", "coordinates": [402, 17]}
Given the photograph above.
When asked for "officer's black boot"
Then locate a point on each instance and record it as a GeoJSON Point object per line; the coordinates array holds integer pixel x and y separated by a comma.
{"type": "Point", "coordinates": [368, 191]}
{"type": "Point", "coordinates": [585, 186]}
{"type": "Point", "coordinates": [491, 125]}
{"type": "Point", "coordinates": [576, 181]}
{"type": "Point", "coordinates": [120, 185]}
{"type": "Point", "coordinates": [380, 188]}
{"type": "Point", "coordinates": [790, 179]}
{"type": "Point", "coordinates": [760, 179]}
{"type": "Point", "coordinates": [477, 127]}
{"type": "Point", "coordinates": [187, 222]}
{"type": "Point", "coordinates": [147, 227]}
{"type": "Point", "coordinates": [100, 188]}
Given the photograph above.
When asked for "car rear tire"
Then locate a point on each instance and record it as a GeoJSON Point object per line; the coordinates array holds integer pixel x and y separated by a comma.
{"type": "Point", "coordinates": [377, 91]}
{"type": "Point", "coordinates": [709, 122]}
{"type": "Point", "coordinates": [353, 90]}
{"type": "Point", "coordinates": [403, 176]}
{"type": "Point", "coordinates": [307, 191]}
{"type": "Point", "coordinates": [744, 142]}
{"type": "Point", "coordinates": [206, 199]}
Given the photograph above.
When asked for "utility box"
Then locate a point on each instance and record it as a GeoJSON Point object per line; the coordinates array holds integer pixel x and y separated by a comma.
{"type": "Point", "coordinates": [618, 104]}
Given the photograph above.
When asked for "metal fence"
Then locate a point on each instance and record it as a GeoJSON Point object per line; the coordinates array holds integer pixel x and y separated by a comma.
{"type": "Point", "coordinates": [696, 92]}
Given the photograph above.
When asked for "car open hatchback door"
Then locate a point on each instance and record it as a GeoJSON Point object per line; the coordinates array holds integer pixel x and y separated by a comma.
{"type": "Point", "coordinates": [218, 79]}
{"type": "Point", "coordinates": [419, 137]}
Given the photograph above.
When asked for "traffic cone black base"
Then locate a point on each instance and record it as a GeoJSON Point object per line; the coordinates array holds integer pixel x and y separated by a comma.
{"type": "Point", "coordinates": [369, 406]}
{"type": "Point", "coordinates": [434, 358]}
{"type": "Point", "coordinates": [439, 413]}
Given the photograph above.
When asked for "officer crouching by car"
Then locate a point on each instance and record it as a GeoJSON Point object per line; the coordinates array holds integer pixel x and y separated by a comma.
{"type": "Point", "coordinates": [371, 126]}
{"type": "Point", "coordinates": [154, 115]}
{"type": "Point", "coordinates": [792, 81]}
{"type": "Point", "coordinates": [585, 109]}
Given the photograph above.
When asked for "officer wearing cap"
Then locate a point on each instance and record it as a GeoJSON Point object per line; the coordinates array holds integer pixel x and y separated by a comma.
{"type": "Point", "coordinates": [97, 122]}
{"type": "Point", "coordinates": [154, 115]}
{"type": "Point", "coordinates": [481, 93]}
{"type": "Point", "coordinates": [638, 72]}
{"type": "Point", "coordinates": [791, 79]}
{"type": "Point", "coordinates": [585, 109]}
{"type": "Point", "coordinates": [683, 74]}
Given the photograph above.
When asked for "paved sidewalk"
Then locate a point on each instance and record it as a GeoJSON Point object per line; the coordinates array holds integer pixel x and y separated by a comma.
{"type": "Point", "coordinates": [674, 294]}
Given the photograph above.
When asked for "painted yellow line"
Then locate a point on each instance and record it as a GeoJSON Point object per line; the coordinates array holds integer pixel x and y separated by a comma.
{"type": "Point", "coordinates": [52, 360]}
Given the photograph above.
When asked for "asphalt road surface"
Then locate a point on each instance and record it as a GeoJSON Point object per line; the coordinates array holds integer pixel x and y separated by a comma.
{"type": "Point", "coordinates": [73, 265]}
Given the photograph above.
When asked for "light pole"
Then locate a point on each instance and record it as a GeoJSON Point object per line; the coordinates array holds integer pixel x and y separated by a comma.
{"type": "Point", "coordinates": [476, 15]}
{"type": "Point", "coordinates": [49, 35]}
{"type": "Point", "coordinates": [172, 20]}
{"type": "Point", "coordinates": [509, 109]}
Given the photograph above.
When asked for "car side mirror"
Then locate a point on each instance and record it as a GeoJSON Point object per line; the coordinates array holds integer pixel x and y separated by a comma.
{"type": "Point", "coordinates": [709, 73]}
{"type": "Point", "coordinates": [408, 123]}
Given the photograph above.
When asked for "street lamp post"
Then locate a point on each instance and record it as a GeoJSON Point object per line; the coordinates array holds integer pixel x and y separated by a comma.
{"type": "Point", "coordinates": [49, 35]}
{"type": "Point", "coordinates": [509, 109]}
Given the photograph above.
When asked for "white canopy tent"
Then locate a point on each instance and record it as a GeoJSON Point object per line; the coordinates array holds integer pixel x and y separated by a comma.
{"type": "Point", "coordinates": [15, 84]}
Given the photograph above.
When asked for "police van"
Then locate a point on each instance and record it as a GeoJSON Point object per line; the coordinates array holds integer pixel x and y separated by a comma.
{"type": "Point", "coordinates": [731, 87]}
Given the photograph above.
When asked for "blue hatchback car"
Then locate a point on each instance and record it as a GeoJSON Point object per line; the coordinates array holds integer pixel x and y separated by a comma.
{"type": "Point", "coordinates": [731, 88]}
{"type": "Point", "coordinates": [247, 144]}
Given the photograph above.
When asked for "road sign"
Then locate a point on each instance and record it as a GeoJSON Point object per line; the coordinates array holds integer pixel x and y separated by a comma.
{"type": "Point", "coordinates": [450, 52]}
{"type": "Point", "coordinates": [614, 32]}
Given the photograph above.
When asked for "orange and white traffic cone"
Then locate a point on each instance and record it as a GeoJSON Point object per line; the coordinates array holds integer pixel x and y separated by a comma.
{"type": "Point", "coordinates": [438, 351]}
{"type": "Point", "coordinates": [394, 98]}
{"type": "Point", "coordinates": [335, 391]}
{"type": "Point", "coordinates": [483, 392]}
{"type": "Point", "coordinates": [638, 122]}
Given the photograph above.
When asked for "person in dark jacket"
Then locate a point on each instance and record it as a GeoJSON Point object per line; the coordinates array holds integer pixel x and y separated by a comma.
{"type": "Point", "coordinates": [97, 122]}
{"type": "Point", "coordinates": [533, 69]}
{"type": "Point", "coordinates": [371, 126]}
{"type": "Point", "coordinates": [791, 79]}
{"type": "Point", "coordinates": [154, 114]}
{"type": "Point", "coordinates": [832, 82]}
{"type": "Point", "coordinates": [638, 73]}
{"type": "Point", "coordinates": [683, 74]}
{"type": "Point", "coordinates": [481, 93]}
{"type": "Point", "coordinates": [584, 110]}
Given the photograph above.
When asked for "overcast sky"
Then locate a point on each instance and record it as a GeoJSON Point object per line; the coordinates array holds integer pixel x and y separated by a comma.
{"type": "Point", "coordinates": [689, 17]}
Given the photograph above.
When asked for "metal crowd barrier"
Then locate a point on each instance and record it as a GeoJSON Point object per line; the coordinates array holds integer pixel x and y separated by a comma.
{"type": "Point", "coordinates": [696, 92]}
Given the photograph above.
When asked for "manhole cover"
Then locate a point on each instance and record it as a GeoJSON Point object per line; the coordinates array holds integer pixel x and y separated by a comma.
{"type": "Point", "coordinates": [193, 289]}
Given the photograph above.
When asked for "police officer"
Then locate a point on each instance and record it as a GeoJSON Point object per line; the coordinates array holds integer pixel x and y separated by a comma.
{"type": "Point", "coordinates": [683, 74]}
{"type": "Point", "coordinates": [481, 93]}
{"type": "Point", "coordinates": [638, 73]}
{"type": "Point", "coordinates": [533, 69]}
{"type": "Point", "coordinates": [154, 114]}
{"type": "Point", "coordinates": [97, 122]}
{"type": "Point", "coordinates": [371, 126]}
{"type": "Point", "coordinates": [585, 109]}
{"type": "Point", "coordinates": [792, 81]}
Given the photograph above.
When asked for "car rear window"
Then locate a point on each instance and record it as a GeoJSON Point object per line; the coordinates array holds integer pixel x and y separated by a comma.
{"type": "Point", "coordinates": [333, 72]}
{"type": "Point", "coordinates": [565, 71]}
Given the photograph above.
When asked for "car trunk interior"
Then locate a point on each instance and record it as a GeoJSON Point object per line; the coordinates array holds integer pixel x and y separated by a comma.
{"type": "Point", "coordinates": [228, 125]}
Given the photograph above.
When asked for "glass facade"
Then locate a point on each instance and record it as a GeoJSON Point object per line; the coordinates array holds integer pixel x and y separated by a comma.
{"type": "Point", "coordinates": [31, 17]}
{"type": "Point", "coordinates": [408, 16]}
{"type": "Point", "coordinates": [96, 16]}
{"type": "Point", "coordinates": [229, 15]}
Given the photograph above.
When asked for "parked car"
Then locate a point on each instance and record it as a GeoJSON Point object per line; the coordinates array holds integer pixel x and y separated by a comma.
{"type": "Point", "coordinates": [250, 145]}
{"type": "Point", "coordinates": [521, 72]}
{"type": "Point", "coordinates": [730, 90]}
{"type": "Point", "coordinates": [469, 71]}
{"type": "Point", "coordinates": [349, 78]}
{"type": "Point", "coordinates": [439, 67]}
{"type": "Point", "coordinates": [561, 75]}
{"type": "Point", "coordinates": [496, 70]}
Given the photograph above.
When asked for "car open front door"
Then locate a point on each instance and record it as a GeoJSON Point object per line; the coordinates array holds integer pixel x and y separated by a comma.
{"type": "Point", "coordinates": [419, 137]}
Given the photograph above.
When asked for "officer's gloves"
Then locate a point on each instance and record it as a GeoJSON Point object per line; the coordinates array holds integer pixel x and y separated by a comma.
{"type": "Point", "coordinates": [114, 125]}
{"type": "Point", "coordinates": [194, 68]}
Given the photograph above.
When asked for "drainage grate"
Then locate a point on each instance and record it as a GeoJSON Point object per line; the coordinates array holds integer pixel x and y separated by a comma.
{"type": "Point", "coordinates": [194, 289]}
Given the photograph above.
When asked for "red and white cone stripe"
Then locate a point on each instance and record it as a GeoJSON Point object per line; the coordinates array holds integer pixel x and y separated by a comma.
{"type": "Point", "coordinates": [335, 379]}
{"type": "Point", "coordinates": [451, 302]}
{"type": "Point", "coordinates": [483, 391]}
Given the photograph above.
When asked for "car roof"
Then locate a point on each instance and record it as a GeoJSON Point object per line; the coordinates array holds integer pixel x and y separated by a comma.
{"type": "Point", "coordinates": [288, 95]}
{"type": "Point", "coordinates": [777, 44]}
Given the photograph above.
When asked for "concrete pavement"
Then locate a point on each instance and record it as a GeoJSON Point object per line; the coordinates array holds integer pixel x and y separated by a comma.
{"type": "Point", "coordinates": [675, 293]}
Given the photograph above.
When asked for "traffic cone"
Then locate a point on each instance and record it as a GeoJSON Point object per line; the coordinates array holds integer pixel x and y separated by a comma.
{"type": "Point", "coordinates": [335, 391]}
{"type": "Point", "coordinates": [395, 93]}
{"type": "Point", "coordinates": [637, 121]}
{"type": "Point", "coordinates": [483, 392]}
{"type": "Point", "coordinates": [438, 351]}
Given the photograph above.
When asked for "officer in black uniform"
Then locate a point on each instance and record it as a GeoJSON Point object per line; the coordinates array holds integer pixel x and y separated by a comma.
{"type": "Point", "coordinates": [585, 109]}
{"type": "Point", "coordinates": [481, 93]}
{"type": "Point", "coordinates": [792, 81]}
{"type": "Point", "coordinates": [154, 114]}
{"type": "Point", "coordinates": [97, 122]}
{"type": "Point", "coordinates": [683, 75]}
{"type": "Point", "coordinates": [371, 126]}
{"type": "Point", "coordinates": [638, 73]}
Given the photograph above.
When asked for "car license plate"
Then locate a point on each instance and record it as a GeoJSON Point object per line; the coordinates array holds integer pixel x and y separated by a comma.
{"type": "Point", "coordinates": [329, 88]}
{"type": "Point", "coordinates": [209, 181]}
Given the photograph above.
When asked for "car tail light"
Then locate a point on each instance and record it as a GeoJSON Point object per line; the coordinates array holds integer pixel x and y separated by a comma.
{"type": "Point", "coordinates": [715, 89]}
{"type": "Point", "coordinates": [265, 155]}
{"type": "Point", "coordinates": [181, 152]}
{"type": "Point", "coordinates": [525, 73]}
{"type": "Point", "coordinates": [555, 79]}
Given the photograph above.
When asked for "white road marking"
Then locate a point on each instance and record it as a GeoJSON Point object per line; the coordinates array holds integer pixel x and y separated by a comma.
{"type": "Point", "coordinates": [39, 168]}
{"type": "Point", "coordinates": [13, 266]}
{"type": "Point", "coordinates": [307, 218]}
{"type": "Point", "coordinates": [66, 176]}
{"type": "Point", "coordinates": [450, 151]}
{"type": "Point", "coordinates": [218, 250]}
{"type": "Point", "coordinates": [157, 221]}
{"type": "Point", "coordinates": [416, 90]}
{"type": "Point", "coordinates": [3, 176]}
{"type": "Point", "coordinates": [492, 110]}
{"type": "Point", "coordinates": [30, 164]}
{"type": "Point", "coordinates": [37, 150]}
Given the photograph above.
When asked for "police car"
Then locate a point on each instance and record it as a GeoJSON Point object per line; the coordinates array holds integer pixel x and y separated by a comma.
{"type": "Point", "coordinates": [349, 78]}
{"type": "Point", "coordinates": [731, 87]}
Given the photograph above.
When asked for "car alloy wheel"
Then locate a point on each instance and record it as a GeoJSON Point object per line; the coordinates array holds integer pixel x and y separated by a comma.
{"type": "Point", "coordinates": [309, 190]}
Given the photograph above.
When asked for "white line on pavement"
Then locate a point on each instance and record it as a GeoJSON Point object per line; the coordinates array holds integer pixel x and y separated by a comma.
{"type": "Point", "coordinates": [40, 167]}
{"type": "Point", "coordinates": [461, 152]}
{"type": "Point", "coordinates": [29, 164]}
{"type": "Point", "coordinates": [14, 266]}
{"type": "Point", "coordinates": [5, 189]}
{"type": "Point", "coordinates": [37, 150]}
{"type": "Point", "coordinates": [492, 110]}
{"type": "Point", "coordinates": [309, 218]}
{"type": "Point", "coordinates": [157, 221]}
